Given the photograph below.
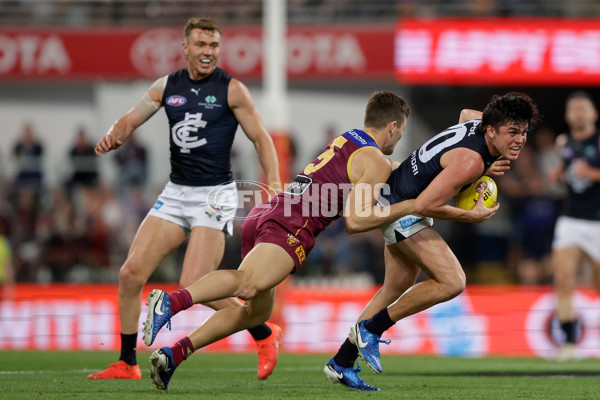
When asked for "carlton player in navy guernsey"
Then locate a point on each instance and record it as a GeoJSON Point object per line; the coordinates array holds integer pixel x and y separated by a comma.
{"type": "Point", "coordinates": [204, 106]}
{"type": "Point", "coordinates": [578, 227]}
{"type": "Point", "coordinates": [434, 174]}
{"type": "Point", "coordinates": [276, 239]}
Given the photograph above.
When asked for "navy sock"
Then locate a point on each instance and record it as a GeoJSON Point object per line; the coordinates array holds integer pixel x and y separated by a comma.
{"type": "Point", "coordinates": [128, 343]}
{"type": "Point", "coordinates": [379, 323]}
{"type": "Point", "coordinates": [346, 355]}
{"type": "Point", "coordinates": [570, 330]}
{"type": "Point", "coordinates": [260, 332]}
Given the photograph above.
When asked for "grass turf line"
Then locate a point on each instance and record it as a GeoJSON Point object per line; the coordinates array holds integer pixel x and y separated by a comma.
{"type": "Point", "coordinates": [63, 375]}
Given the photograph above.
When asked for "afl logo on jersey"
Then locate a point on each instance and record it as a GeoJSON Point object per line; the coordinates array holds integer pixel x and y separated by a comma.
{"type": "Point", "coordinates": [176, 100]}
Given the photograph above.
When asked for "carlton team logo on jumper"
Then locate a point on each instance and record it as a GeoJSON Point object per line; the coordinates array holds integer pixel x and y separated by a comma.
{"type": "Point", "coordinates": [176, 101]}
{"type": "Point", "coordinates": [182, 132]}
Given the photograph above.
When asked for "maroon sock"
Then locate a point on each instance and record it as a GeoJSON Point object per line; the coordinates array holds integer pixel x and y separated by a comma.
{"type": "Point", "coordinates": [180, 300]}
{"type": "Point", "coordinates": [182, 350]}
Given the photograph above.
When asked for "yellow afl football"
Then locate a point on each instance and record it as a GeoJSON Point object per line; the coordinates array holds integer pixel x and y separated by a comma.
{"type": "Point", "coordinates": [467, 198]}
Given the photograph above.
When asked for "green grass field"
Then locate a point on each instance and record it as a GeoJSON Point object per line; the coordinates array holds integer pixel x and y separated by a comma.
{"type": "Point", "coordinates": [58, 375]}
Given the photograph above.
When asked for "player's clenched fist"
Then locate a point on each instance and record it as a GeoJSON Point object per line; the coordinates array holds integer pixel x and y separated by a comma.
{"type": "Point", "coordinates": [106, 144]}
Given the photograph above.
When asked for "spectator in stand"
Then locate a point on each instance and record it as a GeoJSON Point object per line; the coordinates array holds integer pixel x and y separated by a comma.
{"type": "Point", "coordinates": [29, 153]}
{"type": "Point", "coordinates": [61, 232]}
{"type": "Point", "coordinates": [84, 162]}
{"type": "Point", "coordinates": [133, 165]}
{"type": "Point", "coordinates": [23, 236]}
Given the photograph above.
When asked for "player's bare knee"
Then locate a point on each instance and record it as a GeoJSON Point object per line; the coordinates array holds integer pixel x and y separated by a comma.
{"type": "Point", "coordinates": [456, 284]}
{"type": "Point", "coordinates": [247, 293]}
{"type": "Point", "coordinates": [130, 277]}
{"type": "Point", "coordinates": [185, 281]}
{"type": "Point", "coordinates": [257, 316]}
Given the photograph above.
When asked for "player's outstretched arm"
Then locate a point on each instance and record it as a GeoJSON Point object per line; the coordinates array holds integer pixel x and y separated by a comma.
{"type": "Point", "coordinates": [369, 172]}
{"type": "Point", "coordinates": [251, 122]}
{"type": "Point", "coordinates": [140, 113]}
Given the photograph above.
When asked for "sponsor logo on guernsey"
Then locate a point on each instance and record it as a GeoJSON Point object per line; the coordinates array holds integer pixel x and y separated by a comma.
{"type": "Point", "coordinates": [357, 136]}
{"type": "Point", "coordinates": [195, 91]}
{"type": "Point", "coordinates": [157, 205]}
{"type": "Point", "coordinates": [210, 102]}
{"type": "Point", "coordinates": [292, 240]}
{"type": "Point", "coordinates": [407, 222]}
{"type": "Point", "coordinates": [300, 253]}
{"type": "Point", "coordinates": [176, 100]}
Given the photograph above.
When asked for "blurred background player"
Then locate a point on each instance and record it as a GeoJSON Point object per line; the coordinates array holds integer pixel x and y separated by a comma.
{"type": "Point", "coordinates": [433, 174]}
{"type": "Point", "coordinates": [204, 106]}
{"type": "Point", "coordinates": [578, 227]}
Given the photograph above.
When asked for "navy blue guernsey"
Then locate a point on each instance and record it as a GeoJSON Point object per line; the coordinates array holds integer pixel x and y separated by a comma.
{"type": "Point", "coordinates": [423, 165]}
{"type": "Point", "coordinates": [583, 200]}
{"type": "Point", "coordinates": [202, 128]}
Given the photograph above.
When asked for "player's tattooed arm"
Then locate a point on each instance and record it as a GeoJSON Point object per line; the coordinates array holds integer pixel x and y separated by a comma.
{"type": "Point", "coordinates": [136, 116]}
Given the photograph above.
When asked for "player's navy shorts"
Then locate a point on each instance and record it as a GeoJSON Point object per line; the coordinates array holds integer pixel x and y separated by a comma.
{"type": "Point", "coordinates": [290, 232]}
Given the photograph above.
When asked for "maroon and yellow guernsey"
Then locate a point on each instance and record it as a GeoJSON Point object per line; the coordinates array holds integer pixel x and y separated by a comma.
{"type": "Point", "coordinates": [312, 201]}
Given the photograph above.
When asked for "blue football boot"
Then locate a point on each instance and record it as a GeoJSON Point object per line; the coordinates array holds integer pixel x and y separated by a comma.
{"type": "Point", "coordinates": [162, 367]}
{"type": "Point", "coordinates": [347, 376]}
{"type": "Point", "coordinates": [368, 345]}
{"type": "Point", "coordinates": [159, 314]}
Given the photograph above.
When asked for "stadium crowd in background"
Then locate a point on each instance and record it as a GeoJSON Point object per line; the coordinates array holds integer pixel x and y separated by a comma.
{"type": "Point", "coordinates": [169, 12]}
{"type": "Point", "coordinates": [97, 223]}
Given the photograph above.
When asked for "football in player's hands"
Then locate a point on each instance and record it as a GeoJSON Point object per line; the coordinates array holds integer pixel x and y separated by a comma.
{"type": "Point", "coordinates": [468, 197]}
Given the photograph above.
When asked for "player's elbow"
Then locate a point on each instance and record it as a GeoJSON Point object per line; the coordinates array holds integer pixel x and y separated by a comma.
{"type": "Point", "coordinates": [422, 207]}
{"type": "Point", "coordinates": [352, 225]}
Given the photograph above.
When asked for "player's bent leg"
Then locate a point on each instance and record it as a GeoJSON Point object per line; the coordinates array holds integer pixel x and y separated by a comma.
{"type": "Point", "coordinates": [347, 376]}
{"type": "Point", "coordinates": [566, 261]}
{"type": "Point", "coordinates": [447, 279]}
{"type": "Point", "coordinates": [155, 239]}
{"type": "Point", "coordinates": [204, 254]}
{"type": "Point", "coordinates": [268, 348]}
{"type": "Point", "coordinates": [400, 274]}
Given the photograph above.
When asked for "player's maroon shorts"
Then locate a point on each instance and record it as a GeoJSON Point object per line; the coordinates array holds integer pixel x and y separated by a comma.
{"type": "Point", "coordinates": [293, 233]}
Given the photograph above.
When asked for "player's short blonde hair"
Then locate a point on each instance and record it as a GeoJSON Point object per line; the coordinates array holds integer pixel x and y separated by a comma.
{"type": "Point", "coordinates": [206, 24]}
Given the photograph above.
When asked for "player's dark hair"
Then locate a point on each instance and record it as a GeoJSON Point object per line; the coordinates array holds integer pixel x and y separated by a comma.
{"type": "Point", "coordinates": [512, 107]}
{"type": "Point", "coordinates": [580, 94]}
{"type": "Point", "coordinates": [205, 24]}
{"type": "Point", "coordinates": [384, 107]}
